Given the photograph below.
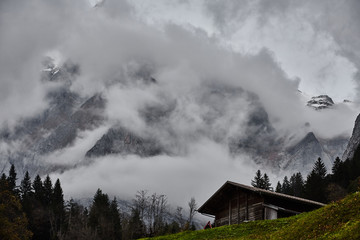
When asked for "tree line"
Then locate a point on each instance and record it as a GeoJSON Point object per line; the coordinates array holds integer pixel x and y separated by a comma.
{"type": "Point", "coordinates": [37, 210]}
{"type": "Point", "coordinates": [319, 185]}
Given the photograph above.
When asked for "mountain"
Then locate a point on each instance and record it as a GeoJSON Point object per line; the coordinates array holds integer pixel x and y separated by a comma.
{"type": "Point", "coordinates": [121, 141]}
{"type": "Point", "coordinates": [69, 114]}
{"type": "Point", "coordinates": [231, 116]}
{"type": "Point", "coordinates": [87, 116]}
{"type": "Point", "coordinates": [260, 140]}
{"type": "Point", "coordinates": [302, 155]}
{"type": "Point", "coordinates": [55, 128]}
{"type": "Point", "coordinates": [320, 102]}
{"type": "Point", "coordinates": [354, 141]}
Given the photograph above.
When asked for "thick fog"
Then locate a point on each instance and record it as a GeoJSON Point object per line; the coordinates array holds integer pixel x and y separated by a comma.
{"type": "Point", "coordinates": [210, 63]}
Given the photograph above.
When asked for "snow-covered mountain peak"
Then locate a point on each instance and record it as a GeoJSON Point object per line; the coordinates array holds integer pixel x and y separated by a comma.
{"type": "Point", "coordinates": [320, 102]}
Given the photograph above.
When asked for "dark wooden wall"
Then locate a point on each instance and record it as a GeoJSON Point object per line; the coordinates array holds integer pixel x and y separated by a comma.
{"type": "Point", "coordinates": [234, 205]}
{"type": "Point", "coordinates": [240, 206]}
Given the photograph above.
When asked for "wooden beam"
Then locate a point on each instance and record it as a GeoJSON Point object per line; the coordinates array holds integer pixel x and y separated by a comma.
{"type": "Point", "coordinates": [229, 211]}
{"type": "Point", "coordinates": [238, 206]}
{"type": "Point", "coordinates": [247, 208]}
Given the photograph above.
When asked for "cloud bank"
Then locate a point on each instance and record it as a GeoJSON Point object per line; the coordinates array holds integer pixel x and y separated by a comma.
{"type": "Point", "coordinates": [211, 77]}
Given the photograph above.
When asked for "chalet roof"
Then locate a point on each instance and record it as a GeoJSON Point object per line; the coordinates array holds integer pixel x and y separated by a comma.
{"type": "Point", "coordinates": [209, 205]}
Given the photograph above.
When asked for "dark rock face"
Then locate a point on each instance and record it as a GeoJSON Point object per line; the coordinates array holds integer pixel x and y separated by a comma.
{"type": "Point", "coordinates": [121, 141]}
{"type": "Point", "coordinates": [308, 149]}
{"type": "Point", "coordinates": [52, 130]}
{"type": "Point", "coordinates": [303, 154]}
{"type": "Point", "coordinates": [320, 102]}
{"type": "Point", "coordinates": [87, 116]}
{"type": "Point", "coordinates": [260, 138]}
{"type": "Point", "coordinates": [155, 114]}
{"type": "Point", "coordinates": [55, 128]}
{"type": "Point", "coordinates": [354, 141]}
{"type": "Point", "coordinates": [66, 116]}
{"type": "Point", "coordinates": [64, 74]}
{"type": "Point", "coordinates": [334, 147]}
{"type": "Point", "coordinates": [310, 142]}
{"type": "Point", "coordinates": [61, 106]}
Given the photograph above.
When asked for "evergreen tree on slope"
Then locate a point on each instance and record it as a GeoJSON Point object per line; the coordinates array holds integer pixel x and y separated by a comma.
{"type": "Point", "coordinates": [316, 182]}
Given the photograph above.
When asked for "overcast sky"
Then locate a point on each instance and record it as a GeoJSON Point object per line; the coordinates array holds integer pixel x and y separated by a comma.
{"type": "Point", "coordinates": [314, 42]}
{"type": "Point", "coordinates": [269, 48]}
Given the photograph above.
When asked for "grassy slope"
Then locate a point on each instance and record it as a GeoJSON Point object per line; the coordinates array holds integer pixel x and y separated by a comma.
{"type": "Point", "coordinates": [340, 220]}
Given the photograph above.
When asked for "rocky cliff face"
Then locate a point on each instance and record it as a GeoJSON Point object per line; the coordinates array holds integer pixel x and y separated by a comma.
{"type": "Point", "coordinates": [87, 116]}
{"type": "Point", "coordinates": [354, 141]}
{"type": "Point", "coordinates": [302, 155]}
{"type": "Point", "coordinates": [334, 147]}
{"type": "Point", "coordinates": [56, 127]}
{"type": "Point", "coordinates": [121, 141]}
{"type": "Point", "coordinates": [260, 139]}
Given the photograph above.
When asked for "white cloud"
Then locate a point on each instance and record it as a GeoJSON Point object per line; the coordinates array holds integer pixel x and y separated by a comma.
{"type": "Point", "coordinates": [288, 29]}
{"type": "Point", "coordinates": [73, 155]}
{"type": "Point", "coordinates": [198, 174]}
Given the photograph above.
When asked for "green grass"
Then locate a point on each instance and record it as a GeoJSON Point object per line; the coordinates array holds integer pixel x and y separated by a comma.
{"type": "Point", "coordinates": [339, 220]}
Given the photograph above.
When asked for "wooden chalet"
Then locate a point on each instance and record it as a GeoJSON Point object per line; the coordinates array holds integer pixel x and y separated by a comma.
{"type": "Point", "coordinates": [234, 203]}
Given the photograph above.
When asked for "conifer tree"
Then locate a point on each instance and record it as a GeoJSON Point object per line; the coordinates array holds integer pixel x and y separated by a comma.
{"type": "Point", "coordinates": [26, 194]}
{"type": "Point", "coordinates": [3, 179]}
{"type": "Point", "coordinates": [278, 187]}
{"type": "Point", "coordinates": [38, 189]}
{"type": "Point", "coordinates": [319, 168]}
{"type": "Point", "coordinates": [258, 180]}
{"type": "Point", "coordinates": [338, 181]}
{"type": "Point", "coordinates": [336, 165]}
{"type": "Point", "coordinates": [297, 185]}
{"type": "Point", "coordinates": [115, 220]}
{"type": "Point", "coordinates": [12, 179]}
{"type": "Point", "coordinates": [266, 182]}
{"type": "Point", "coordinates": [261, 181]}
{"type": "Point", "coordinates": [58, 208]}
{"type": "Point", "coordinates": [339, 173]}
{"type": "Point", "coordinates": [48, 191]}
{"type": "Point", "coordinates": [286, 188]}
{"type": "Point", "coordinates": [315, 187]}
{"type": "Point", "coordinates": [58, 196]}
{"type": "Point", "coordinates": [4, 184]}
{"type": "Point", "coordinates": [25, 187]}
{"type": "Point", "coordinates": [99, 216]}
{"type": "Point", "coordinates": [40, 223]}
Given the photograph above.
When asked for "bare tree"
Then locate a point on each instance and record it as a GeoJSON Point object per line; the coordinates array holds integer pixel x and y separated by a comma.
{"type": "Point", "coordinates": [156, 213]}
{"type": "Point", "coordinates": [192, 210]}
{"type": "Point", "coordinates": [179, 217]}
{"type": "Point", "coordinates": [141, 203]}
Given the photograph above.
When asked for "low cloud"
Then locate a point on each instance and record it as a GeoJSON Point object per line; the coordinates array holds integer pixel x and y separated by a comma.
{"type": "Point", "coordinates": [198, 174]}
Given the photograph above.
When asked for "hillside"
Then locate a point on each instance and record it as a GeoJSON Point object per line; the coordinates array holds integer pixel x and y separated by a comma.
{"type": "Point", "coordinates": [339, 220]}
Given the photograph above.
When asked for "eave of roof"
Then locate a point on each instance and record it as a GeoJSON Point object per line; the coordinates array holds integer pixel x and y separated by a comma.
{"type": "Point", "coordinates": [260, 191]}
